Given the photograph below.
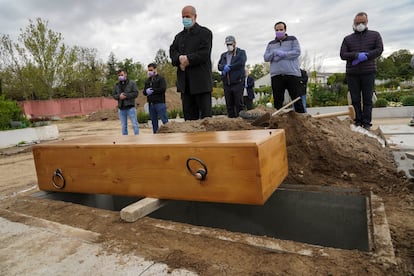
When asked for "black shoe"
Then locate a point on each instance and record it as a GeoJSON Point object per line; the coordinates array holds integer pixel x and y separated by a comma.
{"type": "Point", "coordinates": [357, 124]}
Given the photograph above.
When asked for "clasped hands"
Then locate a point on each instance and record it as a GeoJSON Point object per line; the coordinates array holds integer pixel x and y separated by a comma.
{"type": "Point", "coordinates": [122, 96]}
{"type": "Point", "coordinates": [183, 62]}
{"type": "Point", "coordinates": [362, 56]}
{"type": "Point", "coordinates": [280, 53]}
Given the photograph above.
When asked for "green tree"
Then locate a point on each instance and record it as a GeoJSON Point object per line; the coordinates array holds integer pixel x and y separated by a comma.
{"type": "Point", "coordinates": [41, 66]}
{"type": "Point", "coordinates": [258, 71]}
{"type": "Point", "coordinates": [165, 68]}
{"type": "Point", "coordinates": [395, 66]}
{"type": "Point", "coordinates": [46, 51]}
{"type": "Point", "coordinates": [111, 74]}
{"type": "Point", "coordinates": [83, 73]}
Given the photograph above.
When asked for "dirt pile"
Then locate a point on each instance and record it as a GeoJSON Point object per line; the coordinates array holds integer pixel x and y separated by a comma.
{"type": "Point", "coordinates": [320, 151]}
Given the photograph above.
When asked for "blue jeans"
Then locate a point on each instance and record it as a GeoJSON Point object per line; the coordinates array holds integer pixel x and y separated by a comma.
{"type": "Point", "coordinates": [303, 98]}
{"type": "Point", "coordinates": [123, 117]}
{"type": "Point", "coordinates": [157, 110]}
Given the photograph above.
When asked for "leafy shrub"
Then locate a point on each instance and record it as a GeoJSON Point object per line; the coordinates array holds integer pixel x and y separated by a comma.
{"type": "Point", "coordinates": [142, 117]}
{"type": "Point", "coordinates": [381, 102]}
{"type": "Point", "coordinates": [407, 101]}
{"type": "Point", "coordinates": [10, 111]}
{"type": "Point", "coordinates": [217, 92]}
{"type": "Point", "coordinates": [321, 97]}
{"type": "Point", "coordinates": [219, 110]}
{"type": "Point", "coordinates": [172, 114]}
{"type": "Point", "coordinates": [394, 96]}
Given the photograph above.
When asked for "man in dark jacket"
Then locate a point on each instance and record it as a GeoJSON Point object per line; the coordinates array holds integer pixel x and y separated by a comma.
{"type": "Point", "coordinates": [248, 92]}
{"type": "Point", "coordinates": [231, 65]}
{"type": "Point", "coordinates": [303, 84]}
{"type": "Point", "coordinates": [154, 89]}
{"type": "Point", "coordinates": [360, 50]}
{"type": "Point", "coordinates": [125, 92]}
{"type": "Point", "coordinates": [190, 52]}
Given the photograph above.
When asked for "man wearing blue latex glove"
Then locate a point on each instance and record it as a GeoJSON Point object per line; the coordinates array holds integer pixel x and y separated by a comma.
{"type": "Point", "coordinates": [149, 91]}
{"type": "Point", "coordinates": [361, 57]}
{"type": "Point", "coordinates": [360, 50]}
{"type": "Point", "coordinates": [231, 65]}
{"type": "Point", "coordinates": [226, 69]}
{"type": "Point", "coordinates": [154, 89]}
{"type": "Point", "coordinates": [283, 54]}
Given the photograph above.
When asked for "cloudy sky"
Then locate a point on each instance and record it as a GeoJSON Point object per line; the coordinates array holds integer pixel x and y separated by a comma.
{"type": "Point", "coordinates": [137, 29]}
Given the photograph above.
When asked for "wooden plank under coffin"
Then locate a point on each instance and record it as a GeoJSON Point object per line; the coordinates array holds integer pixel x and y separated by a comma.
{"type": "Point", "coordinates": [243, 166]}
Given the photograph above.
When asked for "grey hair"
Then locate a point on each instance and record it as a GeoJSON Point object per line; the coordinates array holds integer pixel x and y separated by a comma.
{"type": "Point", "coordinates": [361, 14]}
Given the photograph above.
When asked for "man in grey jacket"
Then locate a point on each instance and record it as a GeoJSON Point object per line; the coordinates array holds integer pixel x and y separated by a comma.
{"type": "Point", "coordinates": [360, 50]}
{"type": "Point", "coordinates": [125, 92]}
{"type": "Point", "coordinates": [283, 54]}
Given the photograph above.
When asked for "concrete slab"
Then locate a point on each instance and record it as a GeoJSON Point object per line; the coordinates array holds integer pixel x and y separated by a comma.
{"type": "Point", "coordinates": [66, 255]}
{"type": "Point", "coordinates": [405, 162]}
{"type": "Point", "coordinates": [396, 129]}
{"type": "Point", "coordinates": [402, 142]}
{"type": "Point", "coordinates": [378, 112]}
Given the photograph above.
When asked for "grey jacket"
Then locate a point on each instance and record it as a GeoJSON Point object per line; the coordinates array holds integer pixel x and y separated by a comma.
{"type": "Point", "coordinates": [130, 89]}
{"type": "Point", "coordinates": [288, 65]}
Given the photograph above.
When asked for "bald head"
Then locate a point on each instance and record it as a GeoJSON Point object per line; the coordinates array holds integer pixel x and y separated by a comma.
{"type": "Point", "coordinates": [189, 16]}
{"type": "Point", "coordinates": [189, 10]}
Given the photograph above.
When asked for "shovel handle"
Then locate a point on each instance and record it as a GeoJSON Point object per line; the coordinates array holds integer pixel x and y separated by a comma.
{"type": "Point", "coordinates": [285, 106]}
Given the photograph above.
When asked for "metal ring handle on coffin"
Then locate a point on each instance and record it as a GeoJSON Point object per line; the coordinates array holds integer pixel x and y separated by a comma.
{"type": "Point", "coordinates": [200, 174]}
{"type": "Point", "coordinates": [58, 175]}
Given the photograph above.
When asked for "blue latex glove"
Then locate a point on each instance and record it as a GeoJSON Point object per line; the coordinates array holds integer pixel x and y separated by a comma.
{"type": "Point", "coordinates": [226, 69]}
{"type": "Point", "coordinates": [361, 58]}
{"type": "Point", "coordinates": [149, 91]}
{"type": "Point", "coordinates": [280, 53]}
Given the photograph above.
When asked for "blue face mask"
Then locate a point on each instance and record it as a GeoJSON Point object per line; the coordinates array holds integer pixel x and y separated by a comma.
{"type": "Point", "coordinates": [187, 22]}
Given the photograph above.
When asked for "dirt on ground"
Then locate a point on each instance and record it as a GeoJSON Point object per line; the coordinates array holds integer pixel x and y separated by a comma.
{"type": "Point", "coordinates": [322, 152]}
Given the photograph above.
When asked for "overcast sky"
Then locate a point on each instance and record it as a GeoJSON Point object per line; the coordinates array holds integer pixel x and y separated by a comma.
{"type": "Point", "coordinates": [137, 29]}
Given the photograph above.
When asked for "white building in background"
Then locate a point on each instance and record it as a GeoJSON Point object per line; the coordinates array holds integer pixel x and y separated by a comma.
{"type": "Point", "coordinates": [321, 78]}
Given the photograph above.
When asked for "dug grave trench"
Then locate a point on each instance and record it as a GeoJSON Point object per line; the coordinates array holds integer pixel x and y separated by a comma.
{"type": "Point", "coordinates": [314, 217]}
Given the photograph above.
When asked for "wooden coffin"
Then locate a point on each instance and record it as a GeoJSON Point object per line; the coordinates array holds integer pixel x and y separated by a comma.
{"type": "Point", "coordinates": [240, 166]}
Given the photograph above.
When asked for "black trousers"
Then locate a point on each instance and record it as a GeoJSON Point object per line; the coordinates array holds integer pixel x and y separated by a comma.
{"type": "Point", "coordinates": [362, 85]}
{"type": "Point", "coordinates": [233, 95]}
{"type": "Point", "coordinates": [248, 103]}
{"type": "Point", "coordinates": [282, 82]}
{"type": "Point", "coordinates": [196, 106]}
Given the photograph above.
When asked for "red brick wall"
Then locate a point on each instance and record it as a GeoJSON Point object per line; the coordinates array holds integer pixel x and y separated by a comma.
{"type": "Point", "coordinates": [66, 107]}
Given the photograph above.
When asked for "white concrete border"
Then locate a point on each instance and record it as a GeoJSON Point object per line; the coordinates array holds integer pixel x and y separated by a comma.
{"type": "Point", "coordinates": [11, 138]}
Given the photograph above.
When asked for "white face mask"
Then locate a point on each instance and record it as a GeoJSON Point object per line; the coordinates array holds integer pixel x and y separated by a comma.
{"type": "Point", "coordinates": [230, 48]}
{"type": "Point", "coordinates": [360, 27]}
